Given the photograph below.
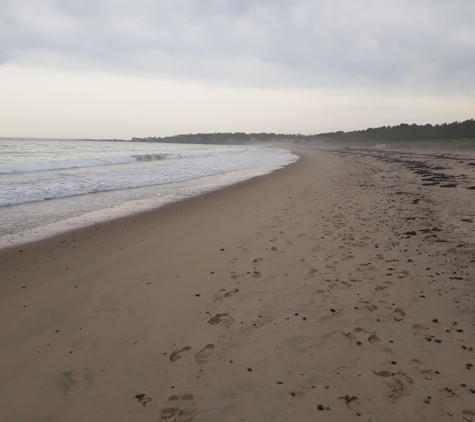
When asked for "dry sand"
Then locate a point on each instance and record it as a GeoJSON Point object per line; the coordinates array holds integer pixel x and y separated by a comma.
{"type": "Point", "coordinates": [344, 281]}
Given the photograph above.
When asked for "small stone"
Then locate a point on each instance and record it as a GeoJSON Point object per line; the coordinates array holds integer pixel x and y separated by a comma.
{"type": "Point", "coordinates": [472, 390]}
{"type": "Point", "coordinates": [140, 396]}
{"type": "Point", "coordinates": [249, 369]}
{"type": "Point", "coordinates": [358, 343]}
{"type": "Point", "coordinates": [438, 341]}
{"type": "Point", "coordinates": [320, 407]}
{"type": "Point", "coordinates": [332, 310]}
{"type": "Point", "coordinates": [435, 320]}
{"type": "Point", "coordinates": [197, 295]}
{"type": "Point", "coordinates": [393, 362]}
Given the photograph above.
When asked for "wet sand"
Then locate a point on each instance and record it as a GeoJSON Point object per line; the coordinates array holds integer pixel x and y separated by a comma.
{"type": "Point", "coordinates": [339, 288]}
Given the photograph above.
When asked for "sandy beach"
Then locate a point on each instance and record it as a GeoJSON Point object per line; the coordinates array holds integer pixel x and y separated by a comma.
{"type": "Point", "coordinates": [339, 288]}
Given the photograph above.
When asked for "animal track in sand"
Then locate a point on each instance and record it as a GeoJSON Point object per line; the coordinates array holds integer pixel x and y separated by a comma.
{"type": "Point", "coordinates": [203, 354]}
{"type": "Point", "coordinates": [256, 274]}
{"type": "Point", "coordinates": [399, 314]}
{"type": "Point", "coordinates": [257, 260]}
{"type": "Point", "coordinates": [274, 248]}
{"type": "Point", "coordinates": [226, 319]}
{"type": "Point", "coordinates": [234, 275]}
{"type": "Point", "coordinates": [178, 354]}
{"type": "Point", "coordinates": [183, 407]}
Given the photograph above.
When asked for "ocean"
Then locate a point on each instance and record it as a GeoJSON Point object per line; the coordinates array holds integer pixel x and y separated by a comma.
{"type": "Point", "coordinates": [48, 186]}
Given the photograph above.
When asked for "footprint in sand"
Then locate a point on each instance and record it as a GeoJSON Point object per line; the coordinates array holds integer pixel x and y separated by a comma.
{"type": "Point", "coordinates": [203, 354]}
{"type": "Point", "coordinates": [183, 408]}
{"type": "Point", "coordinates": [373, 338]}
{"type": "Point", "coordinates": [219, 295]}
{"type": "Point", "coordinates": [399, 314]}
{"type": "Point", "coordinates": [353, 335]}
{"type": "Point", "coordinates": [234, 275]}
{"type": "Point", "coordinates": [469, 415]}
{"type": "Point", "coordinates": [420, 331]}
{"type": "Point", "coordinates": [178, 354]}
{"type": "Point", "coordinates": [400, 383]}
{"type": "Point", "coordinates": [228, 294]}
{"type": "Point", "coordinates": [222, 293]}
{"type": "Point", "coordinates": [418, 365]}
{"type": "Point", "coordinates": [226, 319]}
{"type": "Point", "coordinates": [75, 380]}
{"type": "Point", "coordinates": [367, 306]}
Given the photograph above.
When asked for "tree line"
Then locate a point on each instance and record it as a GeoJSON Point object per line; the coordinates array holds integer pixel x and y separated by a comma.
{"type": "Point", "coordinates": [403, 132]}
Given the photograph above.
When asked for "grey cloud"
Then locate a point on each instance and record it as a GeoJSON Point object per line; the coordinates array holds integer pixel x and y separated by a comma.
{"type": "Point", "coordinates": [395, 44]}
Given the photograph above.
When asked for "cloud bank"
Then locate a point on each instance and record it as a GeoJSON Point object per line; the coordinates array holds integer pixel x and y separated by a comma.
{"type": "Point", "coordinates": [426, 46]}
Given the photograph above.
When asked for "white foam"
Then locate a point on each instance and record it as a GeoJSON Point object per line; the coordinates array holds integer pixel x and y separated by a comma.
{"type": "Point", "coordinates": [139, 171]}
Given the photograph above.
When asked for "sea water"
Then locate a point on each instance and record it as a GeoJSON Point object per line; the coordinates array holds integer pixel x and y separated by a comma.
{"type": "Point", "coordinates": [47, 186]}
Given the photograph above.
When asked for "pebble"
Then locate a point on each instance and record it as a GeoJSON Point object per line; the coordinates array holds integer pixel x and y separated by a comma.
{"type": "Point", "coordinates": [140, 396]}
{"type": "Point", "coordinates": [320, 407]}
{"type": "Point", "coordinates": [249, 369]}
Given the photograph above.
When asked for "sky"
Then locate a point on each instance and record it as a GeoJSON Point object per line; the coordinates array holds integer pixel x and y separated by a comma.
{"type": "Point", "coordinates": [138, 68]}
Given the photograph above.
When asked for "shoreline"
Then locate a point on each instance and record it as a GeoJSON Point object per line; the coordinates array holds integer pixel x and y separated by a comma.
{"type": "Point", "coordinates": [155, 197]}
{"type": "Point", "coordinates": [341, 281]}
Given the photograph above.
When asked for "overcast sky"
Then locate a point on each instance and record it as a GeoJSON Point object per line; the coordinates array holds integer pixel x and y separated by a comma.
{"type": "Point", "coordinates": [123, 68]}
